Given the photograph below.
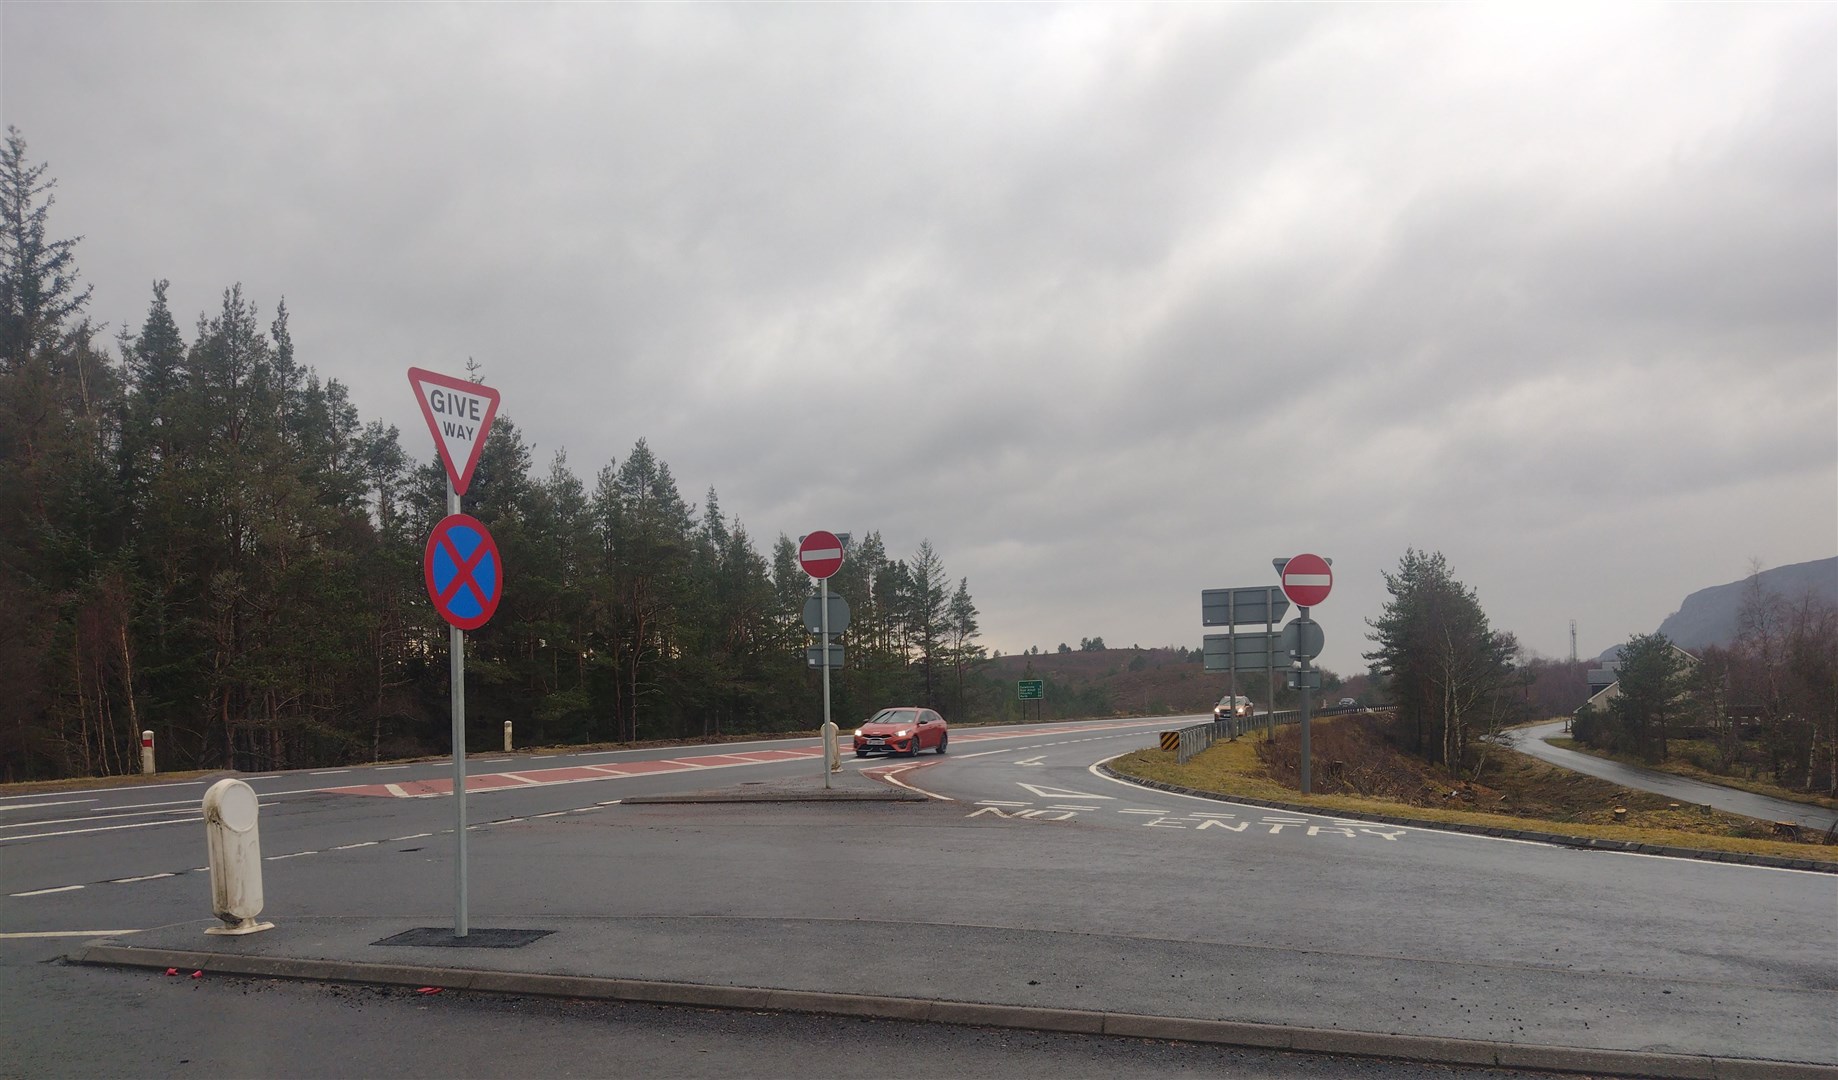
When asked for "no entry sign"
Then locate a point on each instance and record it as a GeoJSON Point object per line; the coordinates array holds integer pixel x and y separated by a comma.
{"type": "Point", "coordinates": [1307, 579]}
{"type": "Point", "coordinates": [820, 555]}
{"type": "Point", "coordinates": [464, 573]}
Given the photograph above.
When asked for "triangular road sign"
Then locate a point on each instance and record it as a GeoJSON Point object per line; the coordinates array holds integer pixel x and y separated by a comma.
{"type": "Point", "coordinates": [459, 414]}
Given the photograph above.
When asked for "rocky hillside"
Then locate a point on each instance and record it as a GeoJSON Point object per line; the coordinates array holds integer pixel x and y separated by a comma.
{"type": "Point", "coordinates": [1708, 616]}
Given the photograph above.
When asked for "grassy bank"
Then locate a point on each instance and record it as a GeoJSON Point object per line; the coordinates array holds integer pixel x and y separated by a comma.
{"type": "Point", "coordinates": [1356, 771]}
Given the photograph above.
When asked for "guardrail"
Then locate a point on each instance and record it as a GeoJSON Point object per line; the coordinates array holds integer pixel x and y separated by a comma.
{"type": "Point", "coordinates": [1185, 742]}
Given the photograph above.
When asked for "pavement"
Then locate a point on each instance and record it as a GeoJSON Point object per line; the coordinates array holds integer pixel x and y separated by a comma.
{"type": "Point", "coordinates": [715, 962]}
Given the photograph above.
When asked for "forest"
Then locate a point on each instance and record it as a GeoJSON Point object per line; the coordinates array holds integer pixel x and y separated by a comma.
{"type": "Point", "coordinates": [202, 538]}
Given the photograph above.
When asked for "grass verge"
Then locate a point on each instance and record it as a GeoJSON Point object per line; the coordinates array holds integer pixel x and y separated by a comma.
{"type": "Point", "coordinates": [1520, 793]}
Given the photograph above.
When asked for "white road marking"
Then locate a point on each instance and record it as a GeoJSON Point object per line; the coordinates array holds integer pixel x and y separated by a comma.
{"type": "Point", "coordinates": [410, 836]}
{"type": "Point", "coordinates": [143, 877]}
{"type": "Point", "coordinates": [329, 772]}
{"type": "Point", "coordinates": [34, 806]}
{"type": "Point", "coordinates": [104, 791]}
{"type": "Point", "coordinates": [388, 768]}
{"type": "Point", "coordinates": [105, 828]}
{"type": "Point", "coordinates": [48, 892]}
{"type": "Point", "coordinates": [1061, 793]}
{"type": "Point", "coordinates": [70, 933]}
{"type": "Point", "coordinates": [295, 855]}
{"type": "Point", "coordinates": [348, 847]}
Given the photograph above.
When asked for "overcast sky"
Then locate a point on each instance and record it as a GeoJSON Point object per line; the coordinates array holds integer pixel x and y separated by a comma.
{"type": "Point", "coordinates": [1113, 303]}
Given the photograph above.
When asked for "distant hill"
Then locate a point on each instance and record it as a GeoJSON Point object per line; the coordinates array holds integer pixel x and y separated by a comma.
{"type": "Point", "coordinates": [1708, 616]}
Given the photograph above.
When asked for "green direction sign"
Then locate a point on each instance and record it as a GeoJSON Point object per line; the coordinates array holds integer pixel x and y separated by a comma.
{"type": "Point", "coordinates": [1031, 689]}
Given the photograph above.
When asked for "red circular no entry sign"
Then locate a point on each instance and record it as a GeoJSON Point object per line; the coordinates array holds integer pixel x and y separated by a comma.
{"type": "Point", "coordinates": [1307, 579]}
{"type": "Point", "coordinates": [820, 555]}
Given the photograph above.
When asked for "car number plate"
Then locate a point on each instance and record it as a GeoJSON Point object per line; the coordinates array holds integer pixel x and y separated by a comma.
{"type": "Point", "coordinates": [877, 742]}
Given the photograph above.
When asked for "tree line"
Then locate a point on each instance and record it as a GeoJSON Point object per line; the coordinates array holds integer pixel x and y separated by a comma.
{"type": "Point", "coordinates": [1766, 704]}
{"type": "Point", "coordinates": [202, 538]}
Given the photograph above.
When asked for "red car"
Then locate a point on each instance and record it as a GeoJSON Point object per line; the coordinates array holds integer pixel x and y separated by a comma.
{"type": "Point", "coordinates": [905, 730]}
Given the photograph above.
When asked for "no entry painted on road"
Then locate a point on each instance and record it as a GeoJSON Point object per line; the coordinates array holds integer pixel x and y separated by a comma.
{"type": "Point", "coordinates": [464, 573]}
{"type": "Point", "coordinates": [1307, 579]}
{"type": "Point", "coordinates": [820, 555]}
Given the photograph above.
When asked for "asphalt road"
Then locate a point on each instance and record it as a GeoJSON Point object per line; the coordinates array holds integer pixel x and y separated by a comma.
{"type": "Point", "coordinates": [1026, 879]}
{"type": "Point", "coordinates": [1531, 741]}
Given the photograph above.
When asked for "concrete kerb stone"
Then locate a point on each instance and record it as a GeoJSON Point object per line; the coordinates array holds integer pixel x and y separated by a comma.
{"type": "Point", "coordinates": [977, 1014]}
{"type": "Point", "coordinates": [1559, 839]}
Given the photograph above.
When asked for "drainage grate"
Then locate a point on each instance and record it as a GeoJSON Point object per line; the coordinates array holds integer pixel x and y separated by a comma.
{"type": "Point", "coordinates": [475, 939]}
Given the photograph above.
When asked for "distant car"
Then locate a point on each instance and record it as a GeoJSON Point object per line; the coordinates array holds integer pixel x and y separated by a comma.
{"type": "Point", "coordinates": [1349, 703]}
{"type": "Point", "coordinates": [904, 730]}
{"type": "Point", "coordinates": [1232, 706]}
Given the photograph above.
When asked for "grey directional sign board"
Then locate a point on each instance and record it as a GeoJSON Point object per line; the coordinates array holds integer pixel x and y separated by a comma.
{"type": "Point", "coordinates": [1030, 689]}
{"type": "Point", "coordinates": [1222, 652]}
{"type": "Point", "coordinates": [1305, 680]}
{"type": "Point", "coordinates": [1303, 639]}
{"type": "Point", "coordinates": [813, 656]}
{"type": "Point", "coordinates": [1242, 607]}
{"type": "Point", "coordinates": [839, 614]}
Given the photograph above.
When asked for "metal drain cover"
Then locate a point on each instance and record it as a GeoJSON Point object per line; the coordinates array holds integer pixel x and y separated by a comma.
{"type": "Point", "coordinates": [442, 936]}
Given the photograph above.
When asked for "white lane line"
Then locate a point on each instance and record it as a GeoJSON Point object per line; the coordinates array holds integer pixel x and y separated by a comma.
{"type": "Point", "coordinates": [69, 933]}
{"type": "Point", "coordinates": [329, 772]}
{"type": "Point", "coordinates": [96, 815]}
{"type": "Point", "coordinates": [348, 847]}
{"type": "Point", "coordinates": [389, 768]}
{"type": "Point", "coordinates": [105, 828]}
{"type": "Point", "coordinates": [48, 892]}
{"type": "Point", "coordinates": [144, 805]}
{"type": "Point", "coordinates": [143, 877]}
{"type": "Point", "coordinates": [267, 776]}
{"type": "Point", "coordinates": [558, 813]}
{"type": "Point", "coordinates": [544, 757]}
{"type": "Point", "coordinates": [495, 760]}
{"type": "Point", "coordinates": [106, 791]}
{"type": "Point", "coordinates": [34, 806]}
{"type": "Point", "coordinates": [410, 836]}
{"type": "Point", "coordinates": [295, 855]}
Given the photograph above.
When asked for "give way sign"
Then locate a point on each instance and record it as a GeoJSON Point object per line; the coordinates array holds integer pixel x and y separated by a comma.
{"type": "Point", "coordinates": [820, 555]}
{"type": "Point", "coordinates": [1307, 579]}
{"type": "Point", "coordinates": [459, 413]}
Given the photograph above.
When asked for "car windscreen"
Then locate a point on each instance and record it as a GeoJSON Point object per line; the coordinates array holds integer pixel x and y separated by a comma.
{"type": "Point", "coordinates": [896, 716]}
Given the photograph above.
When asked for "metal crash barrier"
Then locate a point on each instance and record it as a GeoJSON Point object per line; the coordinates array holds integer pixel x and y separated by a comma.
{"type": "Point", "coordinates": [1188, 741]}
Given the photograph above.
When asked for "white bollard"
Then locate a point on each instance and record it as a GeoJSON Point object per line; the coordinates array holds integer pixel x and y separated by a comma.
{"type": "Point", "coordinates": [236, 857]}
{"type": "Point", "coordinates": [831, 752]}
{"type": "Point", "coordinates": [146, 753]}
{"type": "Point", "coordinates": [507, 736]}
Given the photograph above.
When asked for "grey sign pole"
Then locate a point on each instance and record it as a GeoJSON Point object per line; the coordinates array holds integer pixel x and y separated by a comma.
{"type": "Point", "coordinates": [456, 649]}
{"type": "Point", "coordinates": [1270, 613]}
{"type": "Point", "coordinates": [1304, 681]}
{"type": "Point", "coordinates": [823, 592]}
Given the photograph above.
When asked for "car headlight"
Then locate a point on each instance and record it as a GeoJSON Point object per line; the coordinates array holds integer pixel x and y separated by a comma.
{"type": "Point", "coordinates": [858, 733]}
{"type": "Point", "coordinates": [902, 733]}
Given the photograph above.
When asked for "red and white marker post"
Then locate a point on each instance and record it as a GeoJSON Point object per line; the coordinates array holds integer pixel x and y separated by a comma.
{"type": "Point", "coordinates": [820, 555]}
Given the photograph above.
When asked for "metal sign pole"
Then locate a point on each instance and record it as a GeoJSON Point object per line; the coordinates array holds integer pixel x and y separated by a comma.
{"type": "Point", "coordinates": [1304, 680]}
{"type": "Point", "coordinates": [823, 590]}
{"type": "Point", "coordinates": [1269, 667]}
{"type": "Point", "coordinates": [456, 647]}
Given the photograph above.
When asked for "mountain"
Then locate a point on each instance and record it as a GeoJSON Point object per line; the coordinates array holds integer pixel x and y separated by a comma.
{"type": "Point", "coordinates": [1708, 616]}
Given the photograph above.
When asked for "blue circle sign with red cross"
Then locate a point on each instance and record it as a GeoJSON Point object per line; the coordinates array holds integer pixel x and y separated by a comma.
{"type": "Point", "coordinates": [465, 575]}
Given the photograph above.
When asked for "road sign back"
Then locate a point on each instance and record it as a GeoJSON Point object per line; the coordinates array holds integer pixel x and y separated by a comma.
{"type": "Point", "coordinates": [459, 413]}
{"type": "Point", "coordinates": [464, 573]}
{"type": "Point", "coordinates": [1307, 579]}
